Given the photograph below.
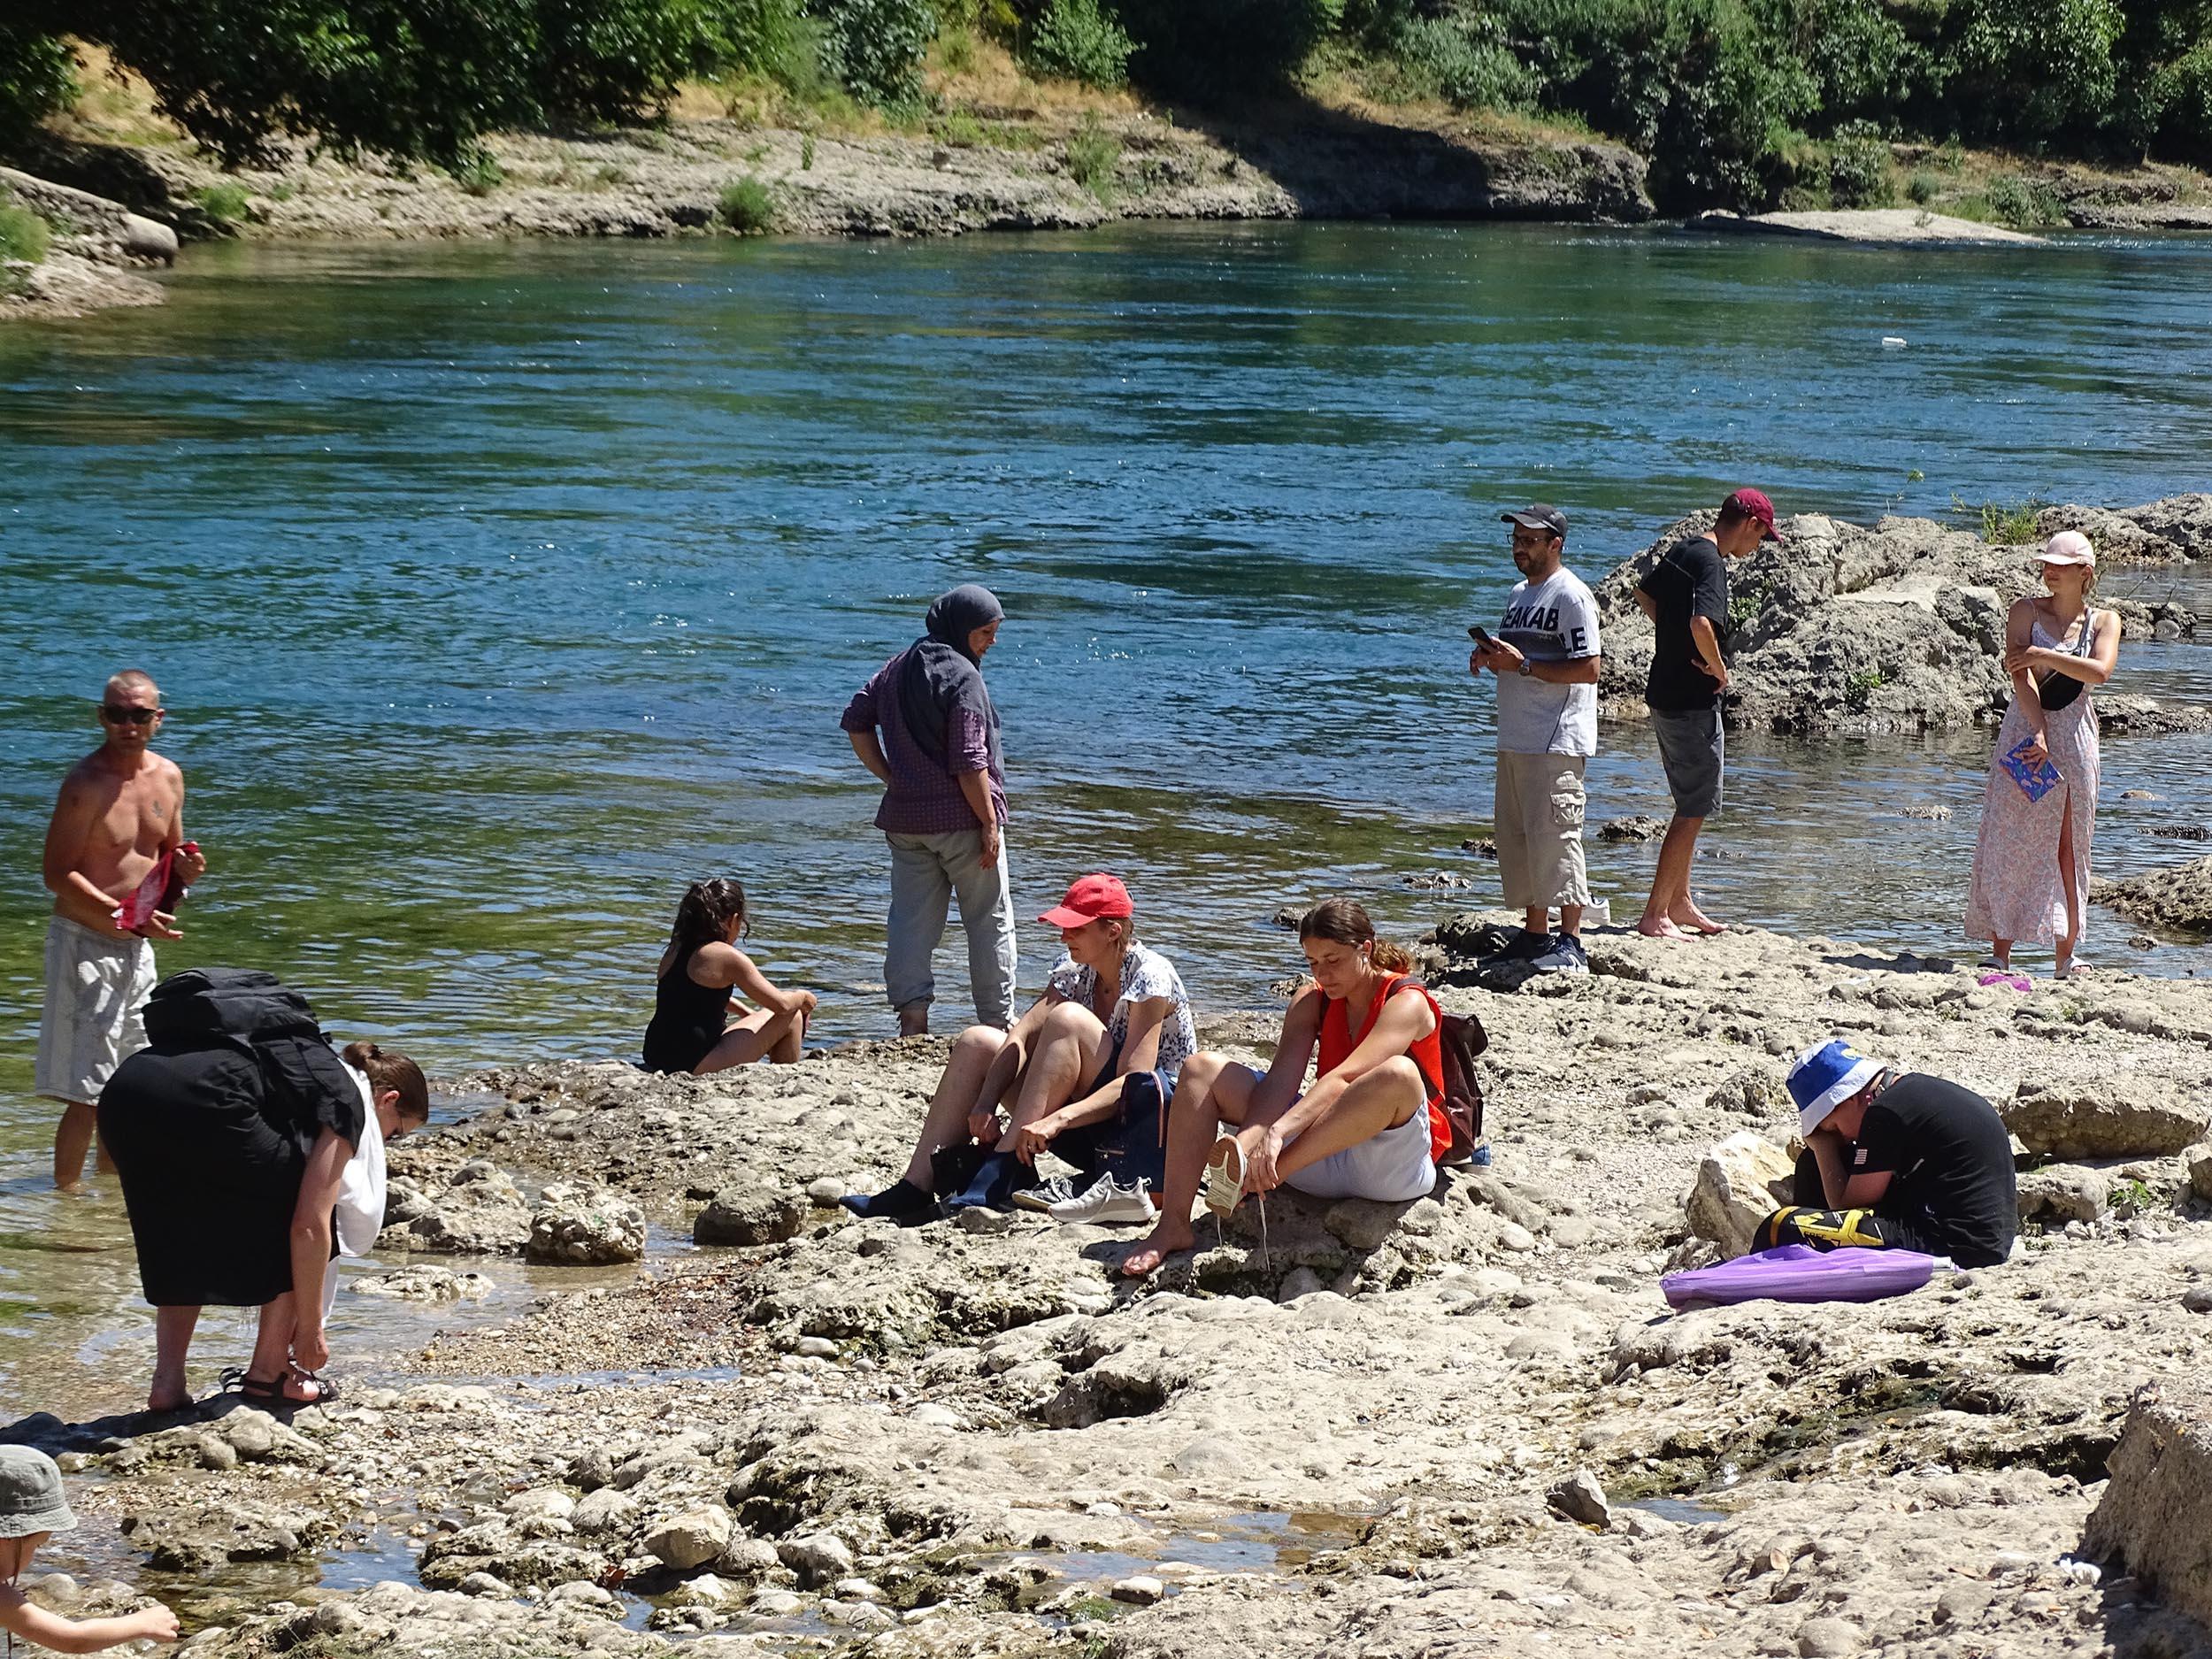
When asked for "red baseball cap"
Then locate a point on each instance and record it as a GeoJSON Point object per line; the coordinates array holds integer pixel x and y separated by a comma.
{"type": "Point", "coordinates": [1090, 899]}
{"type": "Point", "coordinates": [1753, 504]}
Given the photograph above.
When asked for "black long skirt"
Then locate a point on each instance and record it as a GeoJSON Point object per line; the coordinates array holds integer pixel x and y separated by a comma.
{"type": "Point", "coordinates": [210, 1179]}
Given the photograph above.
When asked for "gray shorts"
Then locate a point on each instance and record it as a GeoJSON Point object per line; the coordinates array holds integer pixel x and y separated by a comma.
{"type": "Point", "coordinates": [1691, 747]}
{"type": "Point", "coordinates": [92, 1020]}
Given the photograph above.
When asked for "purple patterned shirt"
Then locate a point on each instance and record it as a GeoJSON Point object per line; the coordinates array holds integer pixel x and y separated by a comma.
{"type": "Point", "coordinates": [924, 798]}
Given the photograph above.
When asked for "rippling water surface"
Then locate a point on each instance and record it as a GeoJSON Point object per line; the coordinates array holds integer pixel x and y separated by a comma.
{"type": "Point", "coordinates": [498, 591]}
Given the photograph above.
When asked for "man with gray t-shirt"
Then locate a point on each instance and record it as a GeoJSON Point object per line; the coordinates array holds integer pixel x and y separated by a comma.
{"type": "Point", "coordinates": [1545, 657]}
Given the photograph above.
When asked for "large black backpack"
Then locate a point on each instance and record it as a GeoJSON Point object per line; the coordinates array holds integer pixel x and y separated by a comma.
{"type": "Point", "coordinates": [259, 1016]}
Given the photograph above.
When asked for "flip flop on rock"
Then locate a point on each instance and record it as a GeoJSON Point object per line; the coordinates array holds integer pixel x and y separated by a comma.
{"type": "Point", "coordinates": [2000, 979]}
{"type": "Point", "coordinates": [1224, 1185]}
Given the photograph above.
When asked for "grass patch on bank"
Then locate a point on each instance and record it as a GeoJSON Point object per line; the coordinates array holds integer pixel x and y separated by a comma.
{"type": "Point", "coordinates": [24, 235]}
{"type": "Point", "coordinates": [1093, 154]}
{"type": "Point", "coordinates": [747, 206]}
{"type": "Point", "coordinates": [481, 174]}
{"type": "Point", "coordinates": [2003, 524]}
{"type": "Point", "coordinates": [224, 204]}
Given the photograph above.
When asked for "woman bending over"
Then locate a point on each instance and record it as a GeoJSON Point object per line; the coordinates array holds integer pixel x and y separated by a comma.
{"type": "Point", "coordinates": [1370, 1127]}
{"type": "Point", "coordinates": [236, 1131]}
{"type": "Point", "coordinates": [701, 970]}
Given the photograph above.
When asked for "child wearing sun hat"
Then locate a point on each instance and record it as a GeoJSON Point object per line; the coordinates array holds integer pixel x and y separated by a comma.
{"type": "Point", "coordinates": [1895, 1160]}
{"type": "Point", "coordinates": [33, 1508]}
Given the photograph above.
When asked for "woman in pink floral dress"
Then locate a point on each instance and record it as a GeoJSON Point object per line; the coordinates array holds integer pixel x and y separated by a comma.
{"type": "Point", "coordinates": [2040, 812]}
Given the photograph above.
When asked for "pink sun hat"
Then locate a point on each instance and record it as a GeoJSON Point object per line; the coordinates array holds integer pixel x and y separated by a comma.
{"type": "Point", "coordinates": [2069, 547]}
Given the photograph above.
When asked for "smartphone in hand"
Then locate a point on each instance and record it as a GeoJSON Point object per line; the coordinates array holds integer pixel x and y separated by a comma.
{"type": "Point", "coordinates": [1476, 634]}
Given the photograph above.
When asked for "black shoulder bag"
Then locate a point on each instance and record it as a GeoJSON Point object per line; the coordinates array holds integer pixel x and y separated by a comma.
{"type": "Point", "coordinates": [2056, 690]}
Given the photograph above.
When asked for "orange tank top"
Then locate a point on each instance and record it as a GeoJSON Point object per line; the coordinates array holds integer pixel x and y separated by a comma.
{"type": "Point", "coordinates": [1338, 1040]}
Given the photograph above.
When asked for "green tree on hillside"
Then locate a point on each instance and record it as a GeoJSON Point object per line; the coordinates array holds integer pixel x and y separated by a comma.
{"type": "Point", "coordinates": [2037, 70]}
{"type": "Point", "coordinates": [1726, 97]}
{"type": "Point", "coordinates": [428, 79]}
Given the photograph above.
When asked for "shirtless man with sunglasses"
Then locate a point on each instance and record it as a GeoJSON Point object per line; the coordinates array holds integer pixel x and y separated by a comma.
{"type": "Point", "coordinates": [121, 809]}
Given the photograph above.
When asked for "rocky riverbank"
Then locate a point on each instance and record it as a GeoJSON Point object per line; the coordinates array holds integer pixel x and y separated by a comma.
{"type": "Point", "coordinates": [1900, 627]}
{"type": "Point", "coordinates": [1013, 170]}
{"type": "Point", "coordinates": [1463, 1423]}
{"type": "Point", "coordinates": [99, 252]}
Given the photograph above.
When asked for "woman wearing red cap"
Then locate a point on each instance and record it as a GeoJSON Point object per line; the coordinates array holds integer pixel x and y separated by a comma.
{"type": "Point", "coordinates": [1107, 1040]}
{"type": "Point", "coordinates": [2039, 810]}
{"type": "Point", "coordinates": [1370, 1127]}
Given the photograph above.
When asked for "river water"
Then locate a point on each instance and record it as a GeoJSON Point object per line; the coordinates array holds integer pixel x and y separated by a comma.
{"type": "Point", "coordinates": [496, 592]}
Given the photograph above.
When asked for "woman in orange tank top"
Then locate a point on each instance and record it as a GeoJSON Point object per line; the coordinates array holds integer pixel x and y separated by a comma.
{"type": "Point", "coordinates": [1368, 1127]}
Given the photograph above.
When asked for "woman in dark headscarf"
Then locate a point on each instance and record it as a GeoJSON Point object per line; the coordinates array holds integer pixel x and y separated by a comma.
{"type": "Point", "coordinates": [944, 804]}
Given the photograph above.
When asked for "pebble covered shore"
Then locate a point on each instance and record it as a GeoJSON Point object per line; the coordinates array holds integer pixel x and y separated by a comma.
{"type": "Point", "coordinates": [1464, 1426]}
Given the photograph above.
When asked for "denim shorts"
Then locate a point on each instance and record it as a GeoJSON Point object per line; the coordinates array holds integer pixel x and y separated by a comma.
{"type": "Point", "coordinates": [1692, 748]}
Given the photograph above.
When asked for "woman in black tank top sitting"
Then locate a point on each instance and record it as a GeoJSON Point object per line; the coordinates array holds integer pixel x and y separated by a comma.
{"type": "Point", "coordinates": [700, 972]}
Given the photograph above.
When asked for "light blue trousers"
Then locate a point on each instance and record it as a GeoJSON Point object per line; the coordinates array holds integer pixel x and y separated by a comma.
{"type": "Point", "coordinates": [928, 873]}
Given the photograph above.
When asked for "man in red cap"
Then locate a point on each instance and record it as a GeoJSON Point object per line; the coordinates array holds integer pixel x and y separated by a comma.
{"type": "Point", "coordinates": [1685, 595]}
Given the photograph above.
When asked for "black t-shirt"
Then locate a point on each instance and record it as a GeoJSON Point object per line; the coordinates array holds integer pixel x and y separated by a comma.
{"type": "Point", "coordinates": [1689, 580]}
{"type": "Point", "coordinates": [1951, 1160]}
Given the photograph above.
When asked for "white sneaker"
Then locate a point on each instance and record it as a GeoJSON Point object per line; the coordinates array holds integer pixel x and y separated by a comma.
{"type": "Point", "coordinates": [1106, 1202]}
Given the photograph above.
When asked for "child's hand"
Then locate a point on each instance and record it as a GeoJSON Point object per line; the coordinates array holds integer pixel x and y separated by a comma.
{"type": "Point", "coordinates": [156, 1624]}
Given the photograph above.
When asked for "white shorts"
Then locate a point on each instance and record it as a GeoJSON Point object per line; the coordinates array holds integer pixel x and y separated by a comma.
{"type": "Point", "coordinates": [1391, 1168]}
{"type": "Point", "coordinates": [96, 997]}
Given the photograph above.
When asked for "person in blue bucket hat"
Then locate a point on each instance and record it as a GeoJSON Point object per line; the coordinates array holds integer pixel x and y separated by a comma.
{"type": "Point", "coordinates": [1895, 1160]}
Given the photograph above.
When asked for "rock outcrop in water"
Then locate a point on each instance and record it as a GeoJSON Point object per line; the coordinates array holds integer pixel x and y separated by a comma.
{"type": "Point", "coordinates": [1841, 628]}
{"type": "Point", "coordinates": [1374, 1429]}
{"type": "Point", "coordinates": [2180, 899]}
{"type": "Point", "coordinates": [99, 249]}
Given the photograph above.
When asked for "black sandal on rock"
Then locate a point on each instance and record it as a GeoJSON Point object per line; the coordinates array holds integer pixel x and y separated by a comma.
{"type": "Point", "coordinates": [271, 1391]}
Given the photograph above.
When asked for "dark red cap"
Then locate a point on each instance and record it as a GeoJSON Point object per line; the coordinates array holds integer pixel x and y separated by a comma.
{"type": "Point", "coordinates": [1753, 504]}
{"type": "Point", "coordinates": [1091, 898]}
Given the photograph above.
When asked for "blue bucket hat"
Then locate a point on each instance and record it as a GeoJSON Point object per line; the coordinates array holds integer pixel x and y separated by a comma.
{"type": "Point", "coordinates": [1826, 1076]}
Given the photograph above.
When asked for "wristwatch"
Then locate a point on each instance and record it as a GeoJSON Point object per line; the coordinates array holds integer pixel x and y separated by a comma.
{"type": "Point", "coordinates": [1525, 668]}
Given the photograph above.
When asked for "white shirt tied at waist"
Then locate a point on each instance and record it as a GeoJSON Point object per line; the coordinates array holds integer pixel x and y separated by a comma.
{"type": "Point", "coordinates": [358, 1216]}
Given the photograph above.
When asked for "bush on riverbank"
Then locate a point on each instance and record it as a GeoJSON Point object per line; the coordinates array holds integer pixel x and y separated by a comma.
{"type": "Point", "coordinates": [428, 79]}
{"type": "Point", "coordinates": [1724, 95]}
{"type": "Point", "coordinates": [748, 207]}
{"type": "Point", "coordinates": [37, 75]}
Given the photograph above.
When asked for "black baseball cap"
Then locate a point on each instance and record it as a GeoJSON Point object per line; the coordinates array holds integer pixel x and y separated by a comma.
{"type": "Point", "coordinates": [1541, 516]}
